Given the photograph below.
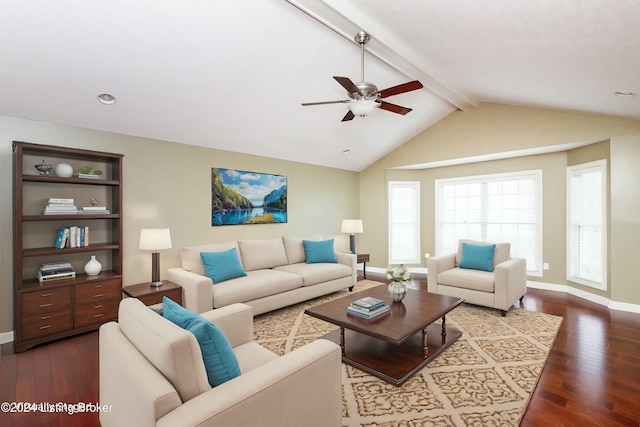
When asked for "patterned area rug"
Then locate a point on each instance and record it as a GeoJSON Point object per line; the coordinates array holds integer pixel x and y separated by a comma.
{"type": "Point", "coordinates": [486, 378]}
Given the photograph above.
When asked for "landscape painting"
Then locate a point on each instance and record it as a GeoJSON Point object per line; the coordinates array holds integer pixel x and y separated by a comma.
{"type": "Point", "coordinates": [240, 197]}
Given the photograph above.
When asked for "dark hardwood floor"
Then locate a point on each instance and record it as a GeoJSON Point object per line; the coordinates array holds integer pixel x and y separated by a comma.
{"type": "Point", "coordinates": [592, 376]}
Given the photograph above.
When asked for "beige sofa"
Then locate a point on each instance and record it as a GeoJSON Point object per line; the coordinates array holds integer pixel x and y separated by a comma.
{"type": "Point", "coordinates": [152, 374]}
{"type": "Point", "coordinates": [277, 275]}
{"type": "Point", "coordinates": [499, 288]}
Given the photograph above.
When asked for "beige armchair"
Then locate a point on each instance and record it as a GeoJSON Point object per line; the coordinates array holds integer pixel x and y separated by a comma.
{"type": "Point", "coordinates": [499, 288]}
{"type": "Point", "coordinates": [152, 374]}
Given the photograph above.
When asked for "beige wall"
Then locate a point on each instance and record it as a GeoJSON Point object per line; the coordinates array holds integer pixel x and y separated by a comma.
{"type": "Point", "coordinates": [493, 128]}
{"type": "Point", "coordinates": [168, 185]}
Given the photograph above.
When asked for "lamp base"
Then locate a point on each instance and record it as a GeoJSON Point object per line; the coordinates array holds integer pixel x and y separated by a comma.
{"type": "Point", "coordinates": [156, 284]}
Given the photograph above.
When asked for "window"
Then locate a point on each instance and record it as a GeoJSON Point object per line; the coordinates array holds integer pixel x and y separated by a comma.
{"type": "Point", "coordinates": [404, 222]}
{"type": "Point", "coordinates": [496, 208]}
{"type": "Point", "coordinates": [586, 224]}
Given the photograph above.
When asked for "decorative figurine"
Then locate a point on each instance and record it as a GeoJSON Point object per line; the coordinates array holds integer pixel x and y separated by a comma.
{"type": "Point", "coordinates": [44, 168]}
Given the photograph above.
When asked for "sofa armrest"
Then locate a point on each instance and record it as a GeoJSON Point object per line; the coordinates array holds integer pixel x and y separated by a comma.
{"type": "Point", "coordinates": [350, 260]}
{"type": "Point", "coordinates": [132, 389]}
{"type": "Point", "coordinates": [435, 266]}
{"type": "Point", "coordinates": [510, 282]}
{"type": "Point", "coordinates": [235, 320]}
{"type": "Point", "coordinates": [301, 388]}
{"type": "Point", "coordinates": [197, 292]}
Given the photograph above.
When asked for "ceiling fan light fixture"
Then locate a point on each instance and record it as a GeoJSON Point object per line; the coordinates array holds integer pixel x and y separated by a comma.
{"type": "Point", "coordinates": [107, 99]}
{"type": "Point", "coordinates": [362, 107]}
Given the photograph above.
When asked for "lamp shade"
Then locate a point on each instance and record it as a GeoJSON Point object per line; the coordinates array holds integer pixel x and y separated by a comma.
{"type": "Point", "coordinates": [352, 226]}
{"type": "Point", "coordinates": [155, 239]}
{"type": "Point", "coordinates": [362, 107]}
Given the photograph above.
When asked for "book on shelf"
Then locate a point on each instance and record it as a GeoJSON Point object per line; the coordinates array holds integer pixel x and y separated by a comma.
{"type": "Point", "coordinates": [72, 237]}
{"type": "Point", "coordinates": [57, 270]}
{"type": "Point", "coordinates": [368, 314]}
{"type": "Point", "coordinates": [100, 211]}
{"type": "Point", "coordinates": [59, 200]}
{"type": "Point", "coordinates": [52, 266]}
{"type": "Point", "coordinates": [88, 176]}
{"type": "Point", "coordinates": [368, 303]}
{"type": "Point", "coordinates": [56, 276]}
{"type": "Point", "coordinates": [94, 208]}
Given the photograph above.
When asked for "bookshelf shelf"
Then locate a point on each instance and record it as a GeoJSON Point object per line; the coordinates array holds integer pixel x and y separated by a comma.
{"type": "Point", "coordinates": [64, 307]}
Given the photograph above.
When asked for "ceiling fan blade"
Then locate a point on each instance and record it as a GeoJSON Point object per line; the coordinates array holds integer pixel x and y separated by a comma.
{"type": "Point", "coordinates": [394, 108]}
{"type": "Point", "coordinates": [396, 90]}
{"type": "Point", "coordinates": [306, 104]}
{"type": "Point", "coordinates": [348, 85]}
{"type": "Point", "coordinates": [348, 116]}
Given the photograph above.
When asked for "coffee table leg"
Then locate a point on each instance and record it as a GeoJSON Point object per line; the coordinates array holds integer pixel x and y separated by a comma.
{"type": "Point", "coordinates": [444, 328]}
{"type": "Point", "coordinates": [425, 348]}
{"type": "Point", "coordinates": [342, 341]}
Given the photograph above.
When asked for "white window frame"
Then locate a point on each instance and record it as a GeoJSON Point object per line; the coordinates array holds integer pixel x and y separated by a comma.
{"type": "Point", "coordinates": [412, 222]}
{"type": "Point", "coordinates": [535, 256]}
{"type": "Point", "coordinates": [573, 270]}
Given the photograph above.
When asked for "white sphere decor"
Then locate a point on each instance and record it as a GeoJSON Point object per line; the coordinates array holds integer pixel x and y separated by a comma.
{"type": "Point", "coordinates": [64, 170]}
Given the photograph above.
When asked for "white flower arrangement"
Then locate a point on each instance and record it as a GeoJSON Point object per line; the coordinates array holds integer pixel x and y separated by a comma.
{"type": "Point", "coordinates": [398, 274]}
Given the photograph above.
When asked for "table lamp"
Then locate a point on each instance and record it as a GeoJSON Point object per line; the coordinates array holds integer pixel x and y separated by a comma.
{"type": "Point", "coordinates": [155, 239]}
{"type": "Point", "coordinates": [353, 227]}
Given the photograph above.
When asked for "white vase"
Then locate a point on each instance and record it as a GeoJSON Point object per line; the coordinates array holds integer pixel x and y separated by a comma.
{"type": "Point", "coordinates": [397, 291]}
{"type": "Point", "coordinates": [93, 267]}
{"type": "Point", "coordinates": [64, 170]}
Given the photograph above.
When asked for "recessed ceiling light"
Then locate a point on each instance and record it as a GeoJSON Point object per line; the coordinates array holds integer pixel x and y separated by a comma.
{"type": "Point", "coordinates": [624, 93]}
{"type": "Point", "coordinates": [345, 152]}
{"type": "Point", "coordinates": [107, 98]}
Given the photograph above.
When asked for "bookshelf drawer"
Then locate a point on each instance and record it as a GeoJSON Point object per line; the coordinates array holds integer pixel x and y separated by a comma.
{"type": "Point", "coordinates": [34, 303]}
{"type": "Point", "coordinates": [45, 324]}
{"type": "Point", "coordinates": [98, 313]}
{"type": "Point", "coordinates": [97, 292]}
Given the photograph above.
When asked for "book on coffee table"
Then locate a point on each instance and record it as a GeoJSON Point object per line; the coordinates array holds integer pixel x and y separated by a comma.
{"type": "Point", "coordinates": [368, 303]}
{"type": "Point", "coordinates": [364, 314]}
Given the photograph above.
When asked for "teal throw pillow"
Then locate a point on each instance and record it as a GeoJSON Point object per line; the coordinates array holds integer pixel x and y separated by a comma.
{"type": "Point", "coordinates": [477, 257]}
{"type": "Point", "coordinates": [221, 266]}
{"type": "Point", "coordinates": [319, 251]}
{"type": "Point", "coordinates": [219, 359]}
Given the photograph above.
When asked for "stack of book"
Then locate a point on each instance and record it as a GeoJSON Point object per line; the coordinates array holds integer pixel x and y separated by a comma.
{"type": "Point", "coordinates": [94, 210]}
{"type": "Point", "coordinates": [72, 237]}
{"type": "Point", "coordinates": [55, 271]}
{"type": "Point", "coordinates": [58, 206]}
{"type": "Point", "coordinates": [368, 308]}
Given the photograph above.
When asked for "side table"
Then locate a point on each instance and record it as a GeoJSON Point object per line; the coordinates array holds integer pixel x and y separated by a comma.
{"type": "Point", "coordinates": [151, 295]}
{"type": "Point", "coordinates": [364, 259]}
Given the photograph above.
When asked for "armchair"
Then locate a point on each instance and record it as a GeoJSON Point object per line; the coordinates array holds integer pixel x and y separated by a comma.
{"type": "Point", "coordinates": [152, 374]}
{"type": "Point", "coordinates": [499, 288]}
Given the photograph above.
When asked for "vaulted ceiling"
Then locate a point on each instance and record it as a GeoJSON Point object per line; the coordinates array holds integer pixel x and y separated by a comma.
{"type": "Point", "coordinates": [232, 75]}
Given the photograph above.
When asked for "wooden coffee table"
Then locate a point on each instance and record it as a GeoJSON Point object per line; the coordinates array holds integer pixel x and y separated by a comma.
{"type": "Point", "coordinates": [395, 345]}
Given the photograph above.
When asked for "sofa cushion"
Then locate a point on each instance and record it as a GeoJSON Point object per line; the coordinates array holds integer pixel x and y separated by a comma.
{"type": "Point", "coordinates": [259, 254]}
{"type": "Point", "coordinates": [313, 274]}
{"type": "Point", "coordinates": [190, 255]}
{"type": "Point", "coordinates": [477, 257]}
{"type": "Point", "coordinates": [295, 249]}
{"type": "Point", "coordinates": [256, 284]}
{"type": "Point", "coordinates": [170, 349]}
{"type": "Point", "coordinates": [476, 280]}
{"type": "Point", "coordinates": [221, 266]}
{"type": "Point", "coordinates": [501, 254]}
{"type": "Point", "coordinates": [219, 359]}
{"type": "Point", "coordinates": [319, 251]}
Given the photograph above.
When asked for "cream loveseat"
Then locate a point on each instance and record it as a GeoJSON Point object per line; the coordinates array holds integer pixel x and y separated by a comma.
{"type": "Point", "coordinates": [498, 288]}
{"type": "Point", "coordinates": [152, 374]}
{"type": "Point", "coordinates": [277, 275]}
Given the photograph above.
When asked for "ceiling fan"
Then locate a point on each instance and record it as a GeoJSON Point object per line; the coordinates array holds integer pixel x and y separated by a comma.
{"type": "Point", "coordinates": [364, 97]}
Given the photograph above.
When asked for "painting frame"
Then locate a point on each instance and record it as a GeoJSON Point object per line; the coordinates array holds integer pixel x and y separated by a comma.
{"type": "Point", "coordinates": [240, 197]}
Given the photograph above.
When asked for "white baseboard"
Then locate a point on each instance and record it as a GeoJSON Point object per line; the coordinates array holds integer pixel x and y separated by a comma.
{"type": "Point", "coordinates": [6, 337]}
{"type": "Point", "coordinates": [612, 305]}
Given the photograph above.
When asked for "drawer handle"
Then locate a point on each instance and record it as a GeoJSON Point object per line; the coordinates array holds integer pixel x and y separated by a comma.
{"type": "Point", "coordinates": [97, 306]}
{"type": "Point", "coordinates": [46, 305]}
{"type": "Point", "coordinates": [45, 327]}
{"type": "Point", "coordinates": [45, 317]}
{"type": "Point", "coordinates": [46, 295]}
{"type": "Point", "coordinates": [97, 286]}
{"type": "Point", "coordinates": [98, 295]}
{"type": "Point", "coordinates": [98, 315]}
